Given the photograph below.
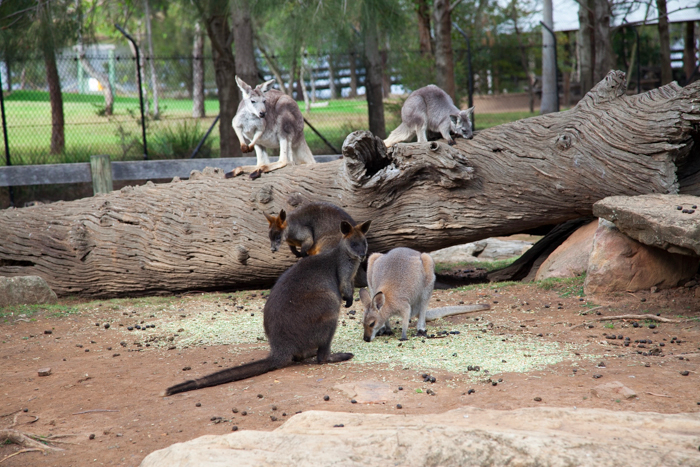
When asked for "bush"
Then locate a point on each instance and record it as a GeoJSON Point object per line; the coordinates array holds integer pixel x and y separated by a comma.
{"type": "Point", "coordinates": [178, 141]}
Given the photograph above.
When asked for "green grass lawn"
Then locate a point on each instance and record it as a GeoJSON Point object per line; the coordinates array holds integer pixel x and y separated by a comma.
{"type": "Point", "coordinates": [88, 132]}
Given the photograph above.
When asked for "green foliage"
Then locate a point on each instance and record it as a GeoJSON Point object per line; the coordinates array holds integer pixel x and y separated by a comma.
{"type": "Point", "coordinates": [567, 287]}
{"type": "Point", "coordinates": [488, 265]}
{"type": "Point", "coordinates": [179, 141]}
{"type": "Point", "coordinates": [28, 311]}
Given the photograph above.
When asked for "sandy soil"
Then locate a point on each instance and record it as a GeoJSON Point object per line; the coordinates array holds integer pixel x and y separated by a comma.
{"type": "Point", "coordinates": [107, 382]}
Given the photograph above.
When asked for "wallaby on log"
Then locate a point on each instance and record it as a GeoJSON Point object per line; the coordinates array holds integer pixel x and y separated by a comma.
{"type": "Point", "coordinates": [313, 228]}
{"type": "Point", "coordinates": [268, 118]}
{"type": "Point", "coordinates": [431, 109]}
{"type": "Point", "coordinates": [401, 283]}
{"type": "Point", "coordinates": [301, 313]}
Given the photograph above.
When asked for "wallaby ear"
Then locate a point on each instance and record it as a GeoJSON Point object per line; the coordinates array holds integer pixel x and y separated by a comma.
{"type": "Point", "coordinates": [270, 219]}
{"type": "Point", "coordinates": [345, 228]}
{"type": "Point", "coordinates": [264, 87]}
{"type": "Point", "coordinates": [245, 89]}
{"type": "Point", "coordinates": [470, 111]}
{"type": "Point", "coordinates": [283, 215]}
{"type": "Point", "coordinates": [364, 227]}
{"type": "Point", "coordinates": [365, 298]}
{"type": "Point", "coordinates": [455, 119]}
{"type": "Point", "coordinates": [379, 300]}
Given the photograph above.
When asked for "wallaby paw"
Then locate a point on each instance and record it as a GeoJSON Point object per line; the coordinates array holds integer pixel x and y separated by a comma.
{"type": "Point", "coordinates": [403, 338]}
{"type": "Point", "coordinates": [236, 172]}
{"type": "Point", "coordinates": [255, 174]}
{"type": "Point", "coordinates": [229, 175]}
{"type": "Point", "coordinates": [247, 147]}
{"type": "Point", "coordinates": [422, 333]}
{"type": "Point", "coordinates": [451, 142]}
{"type": "Point", "coordinates": [348, 302]}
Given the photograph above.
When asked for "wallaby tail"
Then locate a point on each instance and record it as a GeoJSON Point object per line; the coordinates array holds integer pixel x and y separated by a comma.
{"type": "Point", "coordinates": [228, 375]}
{"type": "Point", "coordinates": [401, 133]}
{"type": "Point", "coordinates": [437, 313]}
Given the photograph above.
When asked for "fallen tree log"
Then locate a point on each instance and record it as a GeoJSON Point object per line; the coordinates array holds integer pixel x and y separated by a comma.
{"type": "Point", "coordinates": [210, 233]}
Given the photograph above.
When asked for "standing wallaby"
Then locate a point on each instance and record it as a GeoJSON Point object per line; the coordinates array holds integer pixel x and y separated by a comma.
{"type": "Point", "coordinates": [312, 227]}
{"type": "Point", "coordinates": [431, 108]}
{"type": "Point", "coordinates": [301, 313]}
{"type": "Point", "coordinates": [267, 118]}
{"type": "Point", "coordinates": [401, 283]}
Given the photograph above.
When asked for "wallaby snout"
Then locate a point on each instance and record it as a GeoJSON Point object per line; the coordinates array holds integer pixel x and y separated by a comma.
{"type": "Point", "coordinates": [262, 114]}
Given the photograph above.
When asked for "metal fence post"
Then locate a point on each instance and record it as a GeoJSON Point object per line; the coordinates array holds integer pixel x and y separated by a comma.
{"type": "Point", "coordinates": [138, 75]}
{"type": "Point", "coordinates": [8, 161]}
{"type": "Point", "coordinates": [101, 169]}
{"type": "Point", "coordinates": [470, 76]}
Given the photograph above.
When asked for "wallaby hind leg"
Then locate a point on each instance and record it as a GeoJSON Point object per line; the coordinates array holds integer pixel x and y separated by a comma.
{"type": "Point", "coordinates": [262, 161]}
{"type": "Point", "coordinates": [324, 355]}
{"type": "Point", "coordinates": [421, 307]}
{"type": "Point", "coordinates": [406, 317]}
{"type": "Point", "coordinates": [285, 148]}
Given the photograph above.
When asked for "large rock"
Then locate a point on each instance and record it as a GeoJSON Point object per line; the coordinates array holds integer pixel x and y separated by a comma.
{"type": "Point", "coordinates": [465, 436]}
{"type": "Point", "coordinates": [490, 249]}
{"type": "Point", "coordinates": [655, 220]}
{"type": "Point", "coordinates": [570, 259]}
{"type": "Point", "coordinates": [25, 290]}
{"type": "Point", "coordinates": [619, 263]}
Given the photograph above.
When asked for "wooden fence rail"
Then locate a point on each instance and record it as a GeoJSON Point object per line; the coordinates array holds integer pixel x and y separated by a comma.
{"type": "Point", "coordinates": [22, 175]}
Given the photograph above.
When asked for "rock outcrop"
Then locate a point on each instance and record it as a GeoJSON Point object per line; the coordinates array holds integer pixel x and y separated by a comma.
{"type": "Point", "coordinates": [570, 259]}
{"type": "Point", "coordinates": [25, 290]}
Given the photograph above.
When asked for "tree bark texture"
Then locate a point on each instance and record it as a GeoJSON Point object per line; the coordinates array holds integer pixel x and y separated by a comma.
{"type": "Point", "coordinates": [221, 38]}
{"type": "Point", "coordinates": [210, 233]}
{"type": "Point", "coordinates": [151, 61]}
{"type": "Point", "coordinates": [444, 60]}
{"type": "Point", "coordinates": [585, 44]}
{"type": "Point", "coordinates": [604, 55]}
{"type": "Point", "coordinates": [198, 110]}
{"type": "Point", "coordinates": [58, 138]}
{"type": "Point", "coordinates": [664, 43]}
{"type": "Point", "coordinates": [246, 68]}
{"type": "Point", "coordinates": [688, 50]}
{"type": "Point", "coordinates": [424, 38]}
{"type": "Point", "coordinates": [374, 78]}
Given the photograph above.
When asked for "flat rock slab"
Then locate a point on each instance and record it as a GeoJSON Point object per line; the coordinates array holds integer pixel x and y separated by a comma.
{"type": "Point", "coordinates": [655, 220]}
{"type": "Point", "coordinates": [467, 436]}
{"type": "Point", "coordinates": [25, 290]}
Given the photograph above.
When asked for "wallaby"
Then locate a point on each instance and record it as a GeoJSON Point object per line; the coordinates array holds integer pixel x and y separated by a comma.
{"type": "Point", "coordinates": [312, 227]}
{"type": "Point", "coordinates": [301, 313]}
{"type": "Point", "coordinates": [431, 109]}
{"type": "Point", "coordinates": [401, 283]}
{"type": "Point", "coordinates": [268, 118]}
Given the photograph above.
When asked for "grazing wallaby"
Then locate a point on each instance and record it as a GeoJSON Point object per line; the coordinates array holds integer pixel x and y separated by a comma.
{"type": "Point", "coordinates": [301, 313]}
{"type": "Point", "coordinates": [401, 283]}
{"type": "Point", "coordinates": [431, 109]}
{"type": "Point", "coordinates": [267, 118]}
{"type": "Point", "coordinates": [312, 227]}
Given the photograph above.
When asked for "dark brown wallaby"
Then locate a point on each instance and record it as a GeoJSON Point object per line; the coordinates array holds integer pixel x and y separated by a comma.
{"type": "Point", "coordinates": [301, 313]}
{"type": "Point", "coordinates": [312, 227]}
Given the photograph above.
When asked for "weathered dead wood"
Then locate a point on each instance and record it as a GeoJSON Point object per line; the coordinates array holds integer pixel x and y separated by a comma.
{"type": "Point", "coordinates": [208, 232]}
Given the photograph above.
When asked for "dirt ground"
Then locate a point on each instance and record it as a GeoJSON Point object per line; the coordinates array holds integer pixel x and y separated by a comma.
{"type": "Point", "coordinates": [105, 383]}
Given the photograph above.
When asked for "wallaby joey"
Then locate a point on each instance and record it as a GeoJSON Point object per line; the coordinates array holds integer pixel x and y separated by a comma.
{"type": "Point", "coordinates": [312, 227]}
{"type": "Point", "coordinates": [401, 283]}
{"type": "Point", "coordinates": [301, 313]}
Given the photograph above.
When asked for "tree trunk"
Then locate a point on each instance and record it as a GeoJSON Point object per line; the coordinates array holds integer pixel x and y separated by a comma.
{"type": "Point", "coordinates": [373, 78]}
{"type": "Point", "coordinates": [424, 39]}
{"type": "Point", "coordinates": [444, 61]}
{"type": "Point", "coordinates": [332, 87]}
{"type": "Point", "coordinates": [353, 74]}
{"type": "Point", "coordinates": [549, 63]}
{"type": "Point", "coordinates": [585, 42]}
{"type": "Point", "coordinates": [151, 61]}
{"type": "Point", "coordinates": [664, 43]}
{"type": "Point", "coordinates": [688, 50]}
{"type": "Point", "coordinates": [604, 55]}
{"type": "Point", "coordinates": [221, 38]}
{"type": "Point", "coordinates": [198, 73]}
{"type": "Point", "coordinates": [246, 68]}
{"type": "Point", "coordinates": [58, 139]}
{"type": "Point", "coordinates": [101, 78]}
{"type": "Point", "coordinates": [210, 233]}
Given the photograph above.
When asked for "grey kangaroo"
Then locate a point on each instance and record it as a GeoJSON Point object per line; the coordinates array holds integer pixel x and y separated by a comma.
{"type": "Point", "coordinates": [401, 283]}
{"type": "Point", "coordinates": [431, 109]}
{"type": "Point", "coordinates": [301, 313]}
{"type": "Point", "coordinates": [268, 118]}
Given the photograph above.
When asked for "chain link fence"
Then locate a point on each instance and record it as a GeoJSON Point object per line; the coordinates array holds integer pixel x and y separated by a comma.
{"type": "Point", "coordinates": [334, 87]}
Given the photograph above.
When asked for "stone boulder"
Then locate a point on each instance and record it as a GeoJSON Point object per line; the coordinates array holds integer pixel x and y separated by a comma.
{"type": "Point", "coordinates": [619, 263]}
{"type": "Point", "coordinates": [25, 290]}
{"type": "Point", "coordinates": [539, 436]}
{"type": "Point", "coordinates": [656, 220]}
{"type": "Point", "coordinates": [570, 259]}
{"type": "Point", "coordinates": [490, 249]}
